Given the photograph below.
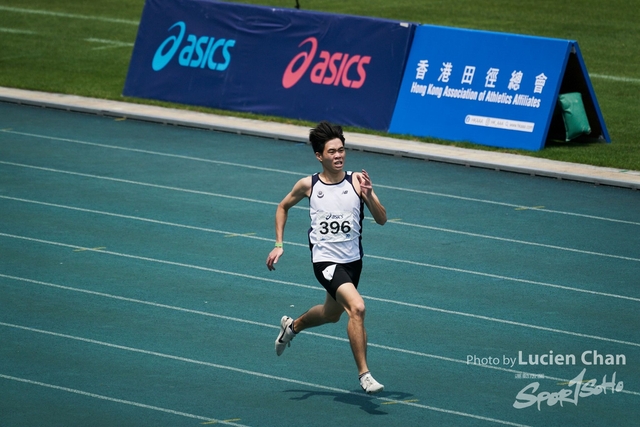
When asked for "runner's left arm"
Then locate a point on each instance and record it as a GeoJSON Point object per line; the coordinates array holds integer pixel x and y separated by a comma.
{"type": "Point", "coordinates": [370, 198]}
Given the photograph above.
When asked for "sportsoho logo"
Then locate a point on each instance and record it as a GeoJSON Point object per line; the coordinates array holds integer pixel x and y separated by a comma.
{"type": "Point", "coordinates": [198, 53]}
{"type": "Point", "coordinates": [337, 64]}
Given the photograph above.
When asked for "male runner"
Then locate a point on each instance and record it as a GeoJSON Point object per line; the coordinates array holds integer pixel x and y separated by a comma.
{"type": "Point", "coordinates": [336, 202]}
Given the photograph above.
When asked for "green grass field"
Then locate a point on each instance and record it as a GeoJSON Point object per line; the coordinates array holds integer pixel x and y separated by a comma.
{"type": "Point", "coordinates": [83, 48]}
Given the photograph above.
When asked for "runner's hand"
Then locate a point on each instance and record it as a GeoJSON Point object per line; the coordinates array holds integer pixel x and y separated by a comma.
{"type": "Point", "coordinates": [273, 258]}
{"type": "Point", "coordinates": [365, 184]}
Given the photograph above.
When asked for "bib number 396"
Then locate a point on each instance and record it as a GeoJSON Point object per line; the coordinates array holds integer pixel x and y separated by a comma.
{"type": "Point", "coordinates": [335, 227]}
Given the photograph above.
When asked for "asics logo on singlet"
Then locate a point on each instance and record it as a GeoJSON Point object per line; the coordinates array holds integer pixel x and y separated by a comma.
{"type": "Point", "coordinates": [198, 51]}
{"type": "Point", "coordinates": [333, 69]}
{"type": "Point", "coordinates": [334, 216]}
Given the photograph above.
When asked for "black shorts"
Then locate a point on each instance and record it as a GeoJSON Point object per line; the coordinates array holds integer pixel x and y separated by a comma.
{"type": "Point", "coordinates": [344, 273]}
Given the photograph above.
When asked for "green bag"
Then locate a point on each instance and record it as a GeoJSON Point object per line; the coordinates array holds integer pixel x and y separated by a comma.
{"type": "Point", "coordinates": [575, 118]}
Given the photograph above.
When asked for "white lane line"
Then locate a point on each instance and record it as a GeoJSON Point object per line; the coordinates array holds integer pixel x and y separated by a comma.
{"type": "Point", "coordinates": [67, 15]}
{"type": "Point", "coordinates": [503, 321]}
{"type": "Point", "coordinates": [240, 165]}
{"type": "Point", "coordinates": [205, 193]}
{"type": "Point", "coordinates": [509, 205]}
{"type": "Point", "coordinates": [521, 242]}
{"type": "Point", "coordinates": [143, 184]}
{"type": "Point", "coordinates": [251, 236]}
{"type": "Point", "coordinates": [275, 327]}
{"type": "Point", "coordinates": [151, 221]}
{"type": "Point", "coordinates": [16, 31]}
{"type": "Point", "coordinates": [615, 78]}
{"type": "Point", "coordinates": [496, 276]}
{"type": "Point", "coordinates": [251, 373]}
{"type": "Point", "coordinates": [154, 153]}
{"type": "Point", "coordinates": [248, 276]}
{"type": "Point", "coordinates": [109, 44]}
{"type": "Point", "coordinates": [116, 400]}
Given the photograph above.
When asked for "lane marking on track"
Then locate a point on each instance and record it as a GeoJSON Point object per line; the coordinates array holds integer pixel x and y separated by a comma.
{"type": "Point", "coordinates": [244, 199]}
{"type": "Point", "coordinates": [277, 327]}
{"type": "Point", "coordinates": [499, 277]}
{"type": "Point", "coordinates": [525, 208]}
{"type": "Point", "coordinates": [415, 263]}
{"type": "Point", "coordinates": [115, 400]}
{"type": "Point", "coordinates": [521, 242]}
{"type": "Point", "coordinates": [395, 403]}
{"type": "Point", "coordinates": [428, 193]}
{"type": "Point", "coordinates": [254, 373]}
{"type": "Point", "coordinates": [154, 153]}
{"type": "Point", "coordinates": [505, 204]}
{"type": "Point", "coordinates": [385, 300]}
{"type": "Point", "coordinates": [99, 248]}
{"type": "Point", "coordinates": [240, 235]}
{"type": "Point", "coordinates": [144, 184]}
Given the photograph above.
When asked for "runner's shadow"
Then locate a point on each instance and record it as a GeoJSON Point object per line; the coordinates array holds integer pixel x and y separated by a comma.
{"type": "Point", "coordinates": [365, 402]}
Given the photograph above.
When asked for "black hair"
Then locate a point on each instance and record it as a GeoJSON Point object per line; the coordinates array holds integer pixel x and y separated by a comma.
{"type": "Point", "coordinates": [322, 133]}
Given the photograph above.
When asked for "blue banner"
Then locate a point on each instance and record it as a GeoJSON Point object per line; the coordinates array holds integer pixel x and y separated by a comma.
{"type": "Point", "coordinates": [483, 87]}
{"type": "Point", "coordinates": [282, 62]}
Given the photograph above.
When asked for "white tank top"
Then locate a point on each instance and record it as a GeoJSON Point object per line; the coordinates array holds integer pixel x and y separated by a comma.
{"type": "Point", "coordinates": [336, 212]}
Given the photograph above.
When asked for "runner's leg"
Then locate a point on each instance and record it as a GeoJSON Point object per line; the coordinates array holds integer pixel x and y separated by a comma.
{"type": "Point", "coordinates": [329, 312]}
{"type": "Point", "coordinates": [350, 299]}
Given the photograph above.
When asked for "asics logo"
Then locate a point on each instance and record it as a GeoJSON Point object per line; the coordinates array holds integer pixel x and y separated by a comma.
{"type": "Point", "coordinates": [333, 216]}
{"type": "Point", "coordinates": [197, 52]}
{"type": "Point", "coordinates": [332, 69]}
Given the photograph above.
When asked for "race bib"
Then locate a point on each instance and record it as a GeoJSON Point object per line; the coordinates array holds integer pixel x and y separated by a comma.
{"type": "Point", "coordinates": [334, 227]}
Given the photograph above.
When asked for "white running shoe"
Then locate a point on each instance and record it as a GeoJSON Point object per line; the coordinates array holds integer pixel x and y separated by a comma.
{"type": "Point", "coordinates": [370, 385]}
{"type": "Point", "coordinates": [285, 336]}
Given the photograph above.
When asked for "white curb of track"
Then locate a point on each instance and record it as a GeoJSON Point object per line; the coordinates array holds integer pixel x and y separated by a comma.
{"type": "Point", "coordinates": [387, 145]}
